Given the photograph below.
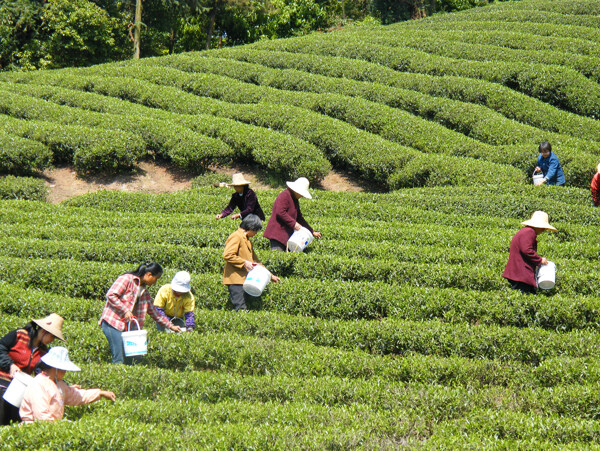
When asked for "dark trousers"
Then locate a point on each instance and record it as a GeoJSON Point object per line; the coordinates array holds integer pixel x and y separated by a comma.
{"type": "Point", "coordinates": [277, 246]}
{"type": "Point", "coordinates": [522, 287]}
{"type": "Point", "coordinates": [8, 412]}
{"type": "Point", "coordinates": [238, 297]}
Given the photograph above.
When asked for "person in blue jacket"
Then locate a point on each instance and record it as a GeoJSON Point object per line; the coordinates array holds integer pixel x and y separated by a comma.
{"type": "Point", "coordinates": [548, 163]}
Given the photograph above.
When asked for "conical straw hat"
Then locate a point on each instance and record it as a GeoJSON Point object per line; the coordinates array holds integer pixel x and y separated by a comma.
{"type": "Point", "coordinates": [52, 323]}
{"type": "Point", "coordinates": [238, 179]}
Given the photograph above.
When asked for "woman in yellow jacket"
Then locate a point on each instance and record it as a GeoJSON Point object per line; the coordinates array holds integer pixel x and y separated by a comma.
{"type": "Point", "coordinates": [240, 258]}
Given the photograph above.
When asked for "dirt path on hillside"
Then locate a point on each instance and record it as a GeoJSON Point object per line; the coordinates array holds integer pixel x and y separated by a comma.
{"type": "Point", "coordinates": [159, 178]}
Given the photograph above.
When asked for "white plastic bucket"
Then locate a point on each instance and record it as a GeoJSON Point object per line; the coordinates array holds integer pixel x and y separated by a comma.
{"type": "Point", "coordinates": [256, 280]}
{"type": "Point", "coordinates": [546, 276]}
{"type": "Point", "coordinates": [16, 389]}
{"type": "Point", "coordinates": [538, 178]}
{"type": "Point", "coordinates": [299, 240]}
{"type": "Point", "coordinates": [135, 342]}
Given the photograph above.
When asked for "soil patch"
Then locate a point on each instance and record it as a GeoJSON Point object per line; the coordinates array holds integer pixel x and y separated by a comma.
{"type": "Point", "coordinates": [152, 177]}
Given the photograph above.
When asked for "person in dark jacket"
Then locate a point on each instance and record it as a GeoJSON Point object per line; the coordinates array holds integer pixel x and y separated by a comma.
{"type": "Point", "coordinates": [286, 216]}
{"type": "Point", "coordinates": [549, 165]}
{"type": "Point", "coordinates": [21, 350]}
{"type": "Point", "coordinates": [244, 198]}
{"type": "Point", "coordinates": [523, 258]}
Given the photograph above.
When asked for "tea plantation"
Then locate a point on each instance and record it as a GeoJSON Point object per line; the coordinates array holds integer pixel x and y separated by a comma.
{"type": "Point", "coordinates": [455, 99]}
{"type": "Point", "coordinates": [396, 329]}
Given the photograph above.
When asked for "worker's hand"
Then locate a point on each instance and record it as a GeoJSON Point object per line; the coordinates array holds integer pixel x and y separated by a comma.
{"type": "Point", "coordinates": [14, 369]}
{"type": "Point", "coordinates": [175, 329]}
{"type": "Point", "coordinates": [235, 216]}
{"type": "Point", "coordinates": [317, 234]}
{"type": "Point", "coordinates": [537, 169]}
{"type": "Point", "coordinates": [249, 265]}
{"type": "Point", "coordinates": [128, 316]}
{"type": "Point", "coordinates": [108, 395]}
{"type": "Point", "coordinates": [275, 279]}
{"type": "Point", "coordinates": [297, 226]}
{"type": "Point", "coordinates": [219, 216]}
{"type": "Point", "coordinates": [78, 387]}
{"type": "Point", "coordinates": [544, 261]}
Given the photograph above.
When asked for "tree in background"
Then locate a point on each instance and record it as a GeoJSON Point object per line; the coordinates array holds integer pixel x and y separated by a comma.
{"type": "Point", "coordinates": [38, 34]}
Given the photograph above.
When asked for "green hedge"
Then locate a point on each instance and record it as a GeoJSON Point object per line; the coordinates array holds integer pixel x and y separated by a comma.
{"type": "Point", "coordinates": [342, 143]}
{"type": "Point", "coordinates": [512, 104]}
{"type": "Point", "coordinates": [89, 149]}
{"type": "Point", "coordinates": [22, 156]}
{"type": "Point", "coordinates": [170, 134]}
{"type": "Point", "coordinates": [561, 87]}
{"type": "Point", "coordinates": [25, 188]}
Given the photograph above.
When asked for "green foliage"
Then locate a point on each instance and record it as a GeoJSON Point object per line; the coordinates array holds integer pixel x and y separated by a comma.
{"type": "Point", "coordinates": [21, 155]}
{"type": "Point", "coordinates": [78, 33]}
{"type": "Point", "coordinates": [25, 188]}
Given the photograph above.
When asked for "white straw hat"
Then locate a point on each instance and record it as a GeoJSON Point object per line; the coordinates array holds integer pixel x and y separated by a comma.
{"type": "Point", "coordinates": [181, 282]}
{"type": "Point", "coordinates": [58, 357]}
{"type": "Point", "coordinates": [300, 186]}
{"type": "Point", "coordinates": [53, 324]}
{"type": "Point", "coordinates": [539, 220]}
{"type": "Point", "coordinates": [238, 179]}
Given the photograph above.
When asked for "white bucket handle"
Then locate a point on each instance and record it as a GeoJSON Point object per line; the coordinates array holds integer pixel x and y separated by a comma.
{"type": "Point", "coordinates": [129, 324]}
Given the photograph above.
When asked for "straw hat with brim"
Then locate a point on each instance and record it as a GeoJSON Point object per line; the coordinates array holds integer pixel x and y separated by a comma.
{"type": "Point", "coordinates": [539, 220]}
{"type": "Point", "coordinates": [238, 180]}
{"type": "Point", "coordinates": [181, 282]}
{"type": "Point", "coordinates": [58, 357]}
{"type": "Point", "coordinates": [52, 323]}
{"type": "Point", "coordinates": [300, 186]}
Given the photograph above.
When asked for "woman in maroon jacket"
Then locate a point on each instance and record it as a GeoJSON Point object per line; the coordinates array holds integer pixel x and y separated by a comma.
{"type": "Point", "coordinates": [21, 350]}
{"type": "Point", "coordinates": [523, 258]}
{"type": "Point", "coordinates": [286, 216]}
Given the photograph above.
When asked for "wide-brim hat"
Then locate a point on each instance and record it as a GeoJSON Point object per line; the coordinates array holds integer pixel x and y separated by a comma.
{"type": "Point", "coordinates": [181, 282]}
{"type": "Point", "coordinates": [52, 323]}
{"type": "Point", "coordinates": [539, 220]}
{"type": "Point", "coordinates": [58, 357]}
{"type": "Point", "coordinates": [300, 186]}
{"type": "Point", "coordinates": [238, 179]}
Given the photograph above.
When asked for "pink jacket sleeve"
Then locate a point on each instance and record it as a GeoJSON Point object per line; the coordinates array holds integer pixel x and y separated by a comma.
{"type": "Point", "coordinates": [77, 396]}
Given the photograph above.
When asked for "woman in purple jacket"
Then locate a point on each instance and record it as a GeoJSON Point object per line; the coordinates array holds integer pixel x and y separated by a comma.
{"type": "Point", "coordinates": [286, 216]}
{"type": "Point", "coordinates": [243, 198]}
{"type": "Point", "coordinates": [523, 258]}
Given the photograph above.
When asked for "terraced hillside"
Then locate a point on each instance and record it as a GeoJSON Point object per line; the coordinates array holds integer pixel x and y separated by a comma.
{"type": "Point", "coordinates": [395, 329]}
{"type": "Point", "coordinates": [456, 99]}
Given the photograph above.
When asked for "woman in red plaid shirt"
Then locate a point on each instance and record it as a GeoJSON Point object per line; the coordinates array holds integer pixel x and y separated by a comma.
{"type": "Point", "coordinates": [128, 298]}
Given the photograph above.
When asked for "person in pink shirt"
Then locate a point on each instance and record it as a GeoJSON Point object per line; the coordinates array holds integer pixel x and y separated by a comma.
{"type": "Point", "coordinates": [45, 398]}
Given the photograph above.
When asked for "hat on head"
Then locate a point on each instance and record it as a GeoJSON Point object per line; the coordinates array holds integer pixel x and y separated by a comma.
{"type": "Point", "coordinates": [300, 186]}
{"type": "Point", "coordinates": [238, 179]}
{"type": "Point", "coordinates": [52, 323]}
{"type": "Point", "coordinates": [539, 220]}
{"type": "Point", "coordinates": [181, 282]}
{"type": "Point", "coordinates": [58, 357]}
